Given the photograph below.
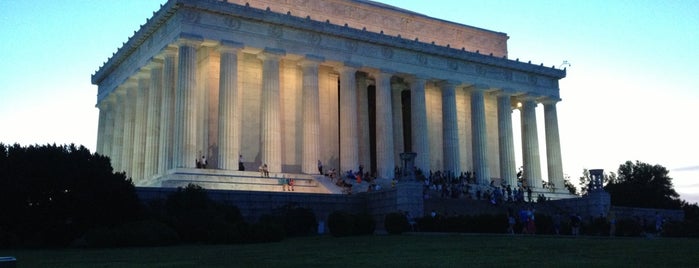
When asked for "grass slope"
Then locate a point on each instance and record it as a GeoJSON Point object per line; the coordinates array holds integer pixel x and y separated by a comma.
{"type": "Point", "coordinates": [413, 250]}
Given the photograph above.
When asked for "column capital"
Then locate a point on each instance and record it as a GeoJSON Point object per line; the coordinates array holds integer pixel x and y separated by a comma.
{"type": "Point", "coordinates": [449, 83]}
{"type": "Point", "coordinates": [143, 73]}
{"type": "Point", "coordinates": [506, 92]}
{"type": "Point", "coordinates": [550, 100]}
{"type": "Point", "coordinates": [154, 63]}
{"type": "Point", "coordinates": [227, 46]}
{"type": "Point", "coordinates": [271, 54]}
{"type": "Point", "coordinates": [417, 78]}
{"type": "Point", "coordinates": [188, 39]}
{"type": "Point", "coordinates": [313, 58]}
{"type": "Point", "coordinates": [382, 74]}
{"type": "Point", "coordinates": [479, 87]}
{"type": "Point", "coordinates": [169, 51]}
{"type": "Point", "coordinates": [348, 67]}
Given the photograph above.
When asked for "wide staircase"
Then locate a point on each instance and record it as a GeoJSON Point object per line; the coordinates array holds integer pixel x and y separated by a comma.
{"type": "Point", "coordinates": [245, 181]}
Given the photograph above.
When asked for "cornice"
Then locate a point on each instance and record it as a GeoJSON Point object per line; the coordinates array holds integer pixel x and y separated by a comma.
{"type": "Point", "coordinates": [308, 24]}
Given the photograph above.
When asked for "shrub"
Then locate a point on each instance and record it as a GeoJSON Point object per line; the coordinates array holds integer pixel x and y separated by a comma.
{"type": "Point", "coordinates": [196, 218]}
{"type": "Point", "coordinates": [396, 223]}
{"type": "Point", "coordinates": [297, 221]}
{"type": "Point", "coordinates": [140, 233]}
{"type": "Point", "coordinates": [341, 224]}
{"type": "Point", "coordinates": [345, 224]}
{"type": "Point", "coordinates": [364, 224]}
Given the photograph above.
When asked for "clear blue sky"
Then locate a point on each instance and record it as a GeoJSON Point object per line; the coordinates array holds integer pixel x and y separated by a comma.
{"type": "Point", "coordinates": [630, 93]}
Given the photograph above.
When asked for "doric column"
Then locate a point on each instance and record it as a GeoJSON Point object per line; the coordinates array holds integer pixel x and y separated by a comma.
{"type": "Point", "coordinates": [553, 143]}
{"type": "Point", "coordinates": [101, 125]}
{"type": "Point", "coordinates": [153, 121]}
{"type": "Point", "coordinates": [117, 144]}
{"type": "Point", "coordinates": [271, 151]}
{"type": "Point", "coordinates": [384, 127]}
{"type": "Point", "coordinates": [167, 113]}
{"type": "Point", "coordinates": [349, 146]}
{"type": "Point", "coordinates": [109, 127]}
{"type": "Point", "coordinates": [129, 119]}
{"type": "Point", "coordinates": [508, 168]}
{"type": "Point", "coordinates": [311, 114]}
{"type": "Point", "coordinates": [139, 140]}
{"type": "Point", "coordinates": [229, 107]}
{"type": "Point", "coordinates": [418, 115]}
{"type": "Point", "coordinates": [480, 135]}
{"type": "Point", "coordinates": [530, 143]}
{"type": "Point", "coordinates": [185, 152]}
{"type": "Point", "coordinates": [105, 139]}
{"type": "Point", "coordinates": [450, 133]}
{"type": "Point", "coordinates": [397, 105]}
{"type": "Point", "coordinates": [363, 121]}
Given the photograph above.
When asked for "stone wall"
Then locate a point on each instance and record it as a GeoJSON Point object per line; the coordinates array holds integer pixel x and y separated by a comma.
{"type": "Point", "coordinates": [381, 18]}
{"type": "Point", "coordinates": [598, 203]}
{"type": "Point", "coordinates": [253, 204]}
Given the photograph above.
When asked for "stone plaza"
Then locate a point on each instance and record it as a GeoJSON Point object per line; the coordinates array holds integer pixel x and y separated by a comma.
{"type": "Point", "coordinates": [345, 83]}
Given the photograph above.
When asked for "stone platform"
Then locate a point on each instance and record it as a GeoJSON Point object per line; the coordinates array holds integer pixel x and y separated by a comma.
{"type": "Point", "coordinates": [243, 181]}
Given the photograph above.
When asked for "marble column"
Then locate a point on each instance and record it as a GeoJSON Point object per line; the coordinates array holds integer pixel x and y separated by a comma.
{"type": "Point", "coordinates": [167, 112]}
{"type": "Point", "coordinates": [229, 107]}
{"type": "Point", "coordinates": [450, 134]}
{"type": "Point", "coordinates": [139, 140]}
{"type": "Point", "coordinates": [349, 146]}
{"type": "Point", "coordinates": [117, 144]}
{"type": "Point", "coordinates": [553, 144]}
{"type": "Point", "coordinates": [363, 121]}
{"type": "Point", "coordinates": [271, 151]}
{"type": "Point", "coordinates": [185, 153]}
{"type": "Point", "coordinates": [397, 88]}
{"type": "Point", "coordinates": [418, 115]}
{"type": "Point", "coordinates": [107, 134]}
{"type": "Point", "coordinates": [129, 119]}
{"type": "Point", "coordinates": [311, 114]}
{"type": "Point", "coordinates": [480, 135]}
{"type": "Point", "coordinates": [153, 122]}
{"type": "Point", "coordinates": [384, 127]}
{"type": "Point", "coordinates": [530, 144]}
{"type": "Point", "coordinates": [102, 106]}
{"type": "Point", "coordinates": [508, 168]}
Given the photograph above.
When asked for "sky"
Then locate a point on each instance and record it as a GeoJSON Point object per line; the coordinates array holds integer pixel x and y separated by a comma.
{"type": "Point", "coordinates": [630, 92]}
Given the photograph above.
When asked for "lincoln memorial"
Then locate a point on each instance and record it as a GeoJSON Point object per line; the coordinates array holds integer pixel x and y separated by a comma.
{"type": "Point", "coordinates": [289, 83]}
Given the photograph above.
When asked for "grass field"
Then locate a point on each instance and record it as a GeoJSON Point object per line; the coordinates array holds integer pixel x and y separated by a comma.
{"type": "Point", "coordinates": [411, 250]}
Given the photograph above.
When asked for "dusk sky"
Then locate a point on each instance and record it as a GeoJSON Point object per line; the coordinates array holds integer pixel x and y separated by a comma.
{"type": "Point", "coordinates": [631, 89]}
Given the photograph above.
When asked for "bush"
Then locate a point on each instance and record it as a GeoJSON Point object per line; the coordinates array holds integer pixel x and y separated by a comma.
{"type": "Point", "coordinates": [297, 221]}
{"type": "Point", "coordinates": [364, 224]}
{"type": "Point", "coordinates": [262, 232]}
{"type": "Point", "coordinates": [396, 223]}
{"type": "Point", "coordinates": [196, 218]}
{"type": "Point", "coordinates": [687, 228]}
{"type": "Point", "coordinates": [341, 224]}
{"type": "Point", "coordinates": [346, 224]}
{"type": "Point", "coordinates": [140, 233]}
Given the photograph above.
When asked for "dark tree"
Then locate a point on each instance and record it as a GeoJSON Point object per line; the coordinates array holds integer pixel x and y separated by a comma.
{"type": "Point", "coordinates": [643, 185]}
{"type": "Point", "coordinates": [51, 195]}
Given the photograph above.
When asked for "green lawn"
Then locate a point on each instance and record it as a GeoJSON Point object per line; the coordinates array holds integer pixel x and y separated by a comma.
{"type": "Point", "coordinates": [413, 250]}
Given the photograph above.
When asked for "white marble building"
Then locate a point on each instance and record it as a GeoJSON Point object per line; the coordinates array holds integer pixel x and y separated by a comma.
{"type": "Point", "coordinates": [346, 82]}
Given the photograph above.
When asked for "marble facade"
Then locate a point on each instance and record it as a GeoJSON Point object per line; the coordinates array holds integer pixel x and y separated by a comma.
{"type": "Point", "coordinates": [346, 82]}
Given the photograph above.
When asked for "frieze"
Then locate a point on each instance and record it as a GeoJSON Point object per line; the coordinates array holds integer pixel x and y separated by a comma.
{"type": "Point", "coordinates": [190, 16]}
{"type": "Point", "coordinates": [336, 36]}
{"type": "Point", "coordinates": [387, 52]}
{"type": "Point", "coordinates": [313, 38]}
{"type": "Point", "coordinates": [453, 65]}
{"type": "Point", "coordinates": [421, 58]}
{"type": "Point", "coordinates": [275, 31]}
{"type": "Point", "coordinates": [351, 45]}
{"type": "Point", "coordinates": [232, 23]}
